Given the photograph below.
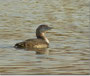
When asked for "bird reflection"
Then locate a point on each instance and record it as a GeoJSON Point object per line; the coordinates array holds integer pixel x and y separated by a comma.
{"type": "Point", "coordinates": [39, 51]}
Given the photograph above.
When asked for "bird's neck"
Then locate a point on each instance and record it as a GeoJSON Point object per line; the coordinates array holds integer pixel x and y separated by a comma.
{"type": "Point", "coordinates": [42, 36]}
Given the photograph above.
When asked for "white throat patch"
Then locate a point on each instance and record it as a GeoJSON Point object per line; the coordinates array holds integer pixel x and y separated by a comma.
{"type": "Point", "coordinates": [47, 40]}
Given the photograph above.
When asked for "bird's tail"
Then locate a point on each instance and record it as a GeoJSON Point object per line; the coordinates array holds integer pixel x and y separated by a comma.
{"type": "Point", "coordinates": [20, 45]}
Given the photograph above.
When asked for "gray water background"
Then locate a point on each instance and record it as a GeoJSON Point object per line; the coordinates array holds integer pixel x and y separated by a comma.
{"type": "Point", "coordinates": [69, 51]}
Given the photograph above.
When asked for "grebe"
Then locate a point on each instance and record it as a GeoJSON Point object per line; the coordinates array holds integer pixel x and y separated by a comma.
{"type": "Point", "coordinates": [40, 42]}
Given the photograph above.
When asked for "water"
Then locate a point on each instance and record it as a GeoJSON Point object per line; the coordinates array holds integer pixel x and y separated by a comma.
{"type": "Point", "coordinates": [69, 51]}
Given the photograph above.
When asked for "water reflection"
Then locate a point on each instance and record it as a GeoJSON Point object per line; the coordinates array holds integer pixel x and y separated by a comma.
{"type": "Point", "coordinates": [38, 51]}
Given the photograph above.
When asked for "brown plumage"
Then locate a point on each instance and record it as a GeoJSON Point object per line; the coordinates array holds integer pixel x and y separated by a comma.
{"type": "Point", "coordinates": [40, 42]}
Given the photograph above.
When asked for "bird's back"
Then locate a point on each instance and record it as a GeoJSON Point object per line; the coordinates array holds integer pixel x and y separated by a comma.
{"type": "Point", "coordinates": [32, 43]}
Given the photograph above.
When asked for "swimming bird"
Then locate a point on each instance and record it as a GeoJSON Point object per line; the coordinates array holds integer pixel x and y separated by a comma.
{"type": "Point", "coordinates": [40, 42]}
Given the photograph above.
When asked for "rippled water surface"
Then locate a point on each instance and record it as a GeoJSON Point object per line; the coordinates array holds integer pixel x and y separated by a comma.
{"type": "Point", "coordinates": [69, 51]}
